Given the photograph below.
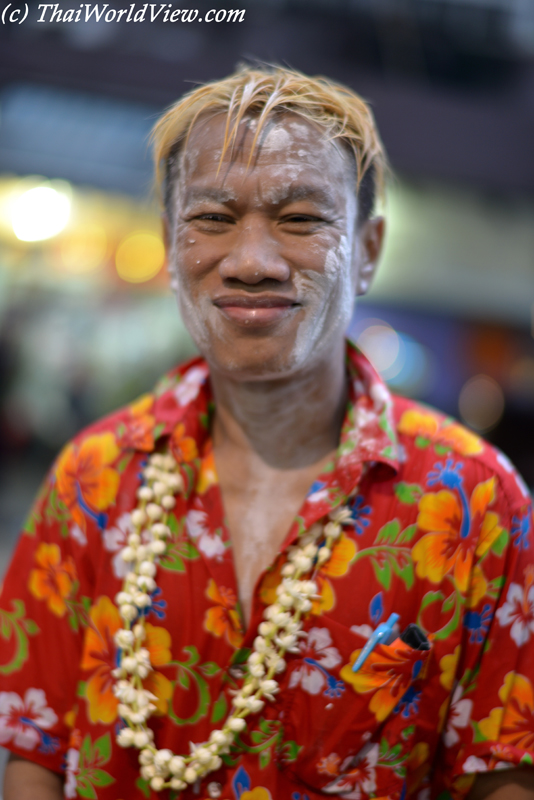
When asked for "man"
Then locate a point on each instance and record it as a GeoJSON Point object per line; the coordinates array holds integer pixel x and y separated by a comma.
{"type": "Point", "coordinates": [288, 507]}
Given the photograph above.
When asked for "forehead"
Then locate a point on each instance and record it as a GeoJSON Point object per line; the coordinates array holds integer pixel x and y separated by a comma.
{"type": "Point", "coordinates": [285, 140]}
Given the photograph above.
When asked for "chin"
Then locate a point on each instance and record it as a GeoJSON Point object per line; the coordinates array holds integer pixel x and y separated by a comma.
{"type": "Point", "coordinates": [254, 363]}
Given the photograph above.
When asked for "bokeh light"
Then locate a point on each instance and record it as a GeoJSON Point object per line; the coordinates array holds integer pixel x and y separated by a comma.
{"type": "Point", "coordinates": [40, 213]}
{"type": "Point", "coordinates": [381, 345]}
{"type": "Point", "coordinates": [481, 403]}
{"type": "Point", "coordinates": [406, 365]}
{"type": "Point", "coordinates": [84, 249]}
{"type": "Point", "coordinates": [140, 257]}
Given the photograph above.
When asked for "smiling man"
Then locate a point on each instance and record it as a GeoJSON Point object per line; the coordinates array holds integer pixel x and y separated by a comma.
{"type": "Point", "coordinates": [269, 579]}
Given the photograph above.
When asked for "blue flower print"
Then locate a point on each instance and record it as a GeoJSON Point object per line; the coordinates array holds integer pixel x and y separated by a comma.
{"type": "Point", "coordinates": [408, 705]}
{"type": "Point", "coordinates": [448, 475]}
{"type": "Point", "coordinates": [360, 514]}
{"type": "Point", "coordinates": [521, 531]}
{"type": "Point", "coordinates": [478, 624]}
{"type": "Point", "coordinates": [157, 606]}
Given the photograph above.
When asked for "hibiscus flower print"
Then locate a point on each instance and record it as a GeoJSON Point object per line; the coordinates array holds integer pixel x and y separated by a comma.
{"type": "Point", "coordinates": [518, 610]}
{"type": "Point", "coordinates": [86, 482]}
{"type": "Point", "coordinates": [223, 618]}
{"type": "Point", "coordinates": [207, 541]}
{"type": "Point", "coordinates": [189, 387]}
{"type": "Point", "coordinates": [24, 720]}
{"type": "Point", "coordinates": [318, 656]}
{"type": "Point", "coordinates": [53, 579]}
{"type": "Point", "coordinates": [115, 539]}
{"type": "Point", "coordinates": [71, 771]}
{"type": "Point", "coordinates": [358, 775]}
{"type": "Point", "coordinates": [459, 717]}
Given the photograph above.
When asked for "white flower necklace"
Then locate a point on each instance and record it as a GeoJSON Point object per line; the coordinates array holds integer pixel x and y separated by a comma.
{"type": "Point", "coordinates": [278, 634]}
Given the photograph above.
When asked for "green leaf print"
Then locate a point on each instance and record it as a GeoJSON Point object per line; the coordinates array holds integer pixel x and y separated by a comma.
{"type": "Point", "coordinates": [143, 786]}
{"type": "Point", "coordinates": [499, 545]}
{"type": "Point", "coordinates": [180, 549]}
{"type": "Point", "coordinates": [187, 675]}
{"type": "Point", "coordinates": [14, 630]}
{"type": "Point", "coordinates": [408, 493]}
{"type": "Point", "coordinates": [92, 759]}
{"type": "Point", "coordinates": [220, 708]}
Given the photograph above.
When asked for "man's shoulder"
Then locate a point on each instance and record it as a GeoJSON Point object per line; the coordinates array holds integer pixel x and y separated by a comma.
{"type": "Point", "coordinates": [140, 423]}
{"type": "Point", "coordinates": [426, 435]}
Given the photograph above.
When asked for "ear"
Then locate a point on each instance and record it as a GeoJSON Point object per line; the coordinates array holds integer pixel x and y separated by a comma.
{"type": "Point", "coordinates": [371, 235]}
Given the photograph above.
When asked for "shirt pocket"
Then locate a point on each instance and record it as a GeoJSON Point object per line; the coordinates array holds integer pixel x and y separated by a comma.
{"type": "Point", "coordinates": [349, 732]}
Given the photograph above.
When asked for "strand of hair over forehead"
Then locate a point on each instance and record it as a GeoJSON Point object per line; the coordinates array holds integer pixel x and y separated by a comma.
{"type": "Point", "coordinates": [261, 92]}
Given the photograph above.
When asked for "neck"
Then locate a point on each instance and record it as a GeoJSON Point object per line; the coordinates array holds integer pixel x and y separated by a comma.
{"type": "Point", "coordinates": [288, 423]}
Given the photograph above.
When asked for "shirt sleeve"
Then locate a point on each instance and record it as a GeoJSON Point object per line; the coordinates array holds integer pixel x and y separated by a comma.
{"type": "Point", "coordinates": [490, 720]}
{"type": "Point", "coordinates": [43, 609]}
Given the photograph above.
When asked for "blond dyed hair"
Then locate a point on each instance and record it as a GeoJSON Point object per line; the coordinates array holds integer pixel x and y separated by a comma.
{"type": "Point", "coordinates": [264, 91]}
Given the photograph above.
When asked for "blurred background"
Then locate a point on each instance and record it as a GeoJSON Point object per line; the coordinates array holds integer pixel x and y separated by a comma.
{"type": "Point", "coordinates": [86, 318]}
{"type": "Point", "coordinates": [87, 321]}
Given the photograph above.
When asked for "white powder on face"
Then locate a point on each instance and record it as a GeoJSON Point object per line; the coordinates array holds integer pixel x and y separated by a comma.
{"type": "Point", "coordinates": [277, 138]}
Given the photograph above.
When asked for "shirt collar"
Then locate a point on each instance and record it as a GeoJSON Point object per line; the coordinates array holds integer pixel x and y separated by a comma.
{"type": "Point", "coordinates": [183, 405]}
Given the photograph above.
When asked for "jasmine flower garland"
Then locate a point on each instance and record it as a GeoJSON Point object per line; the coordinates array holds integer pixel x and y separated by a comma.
{"type": "Point", "coordinates": [278, 634]}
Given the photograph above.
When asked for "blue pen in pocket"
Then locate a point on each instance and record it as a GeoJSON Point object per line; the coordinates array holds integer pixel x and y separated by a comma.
{"type": "Point", "coordinates": [381, 635]}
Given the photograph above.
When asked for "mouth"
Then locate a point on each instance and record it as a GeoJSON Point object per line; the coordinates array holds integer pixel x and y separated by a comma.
{"type": "Point", "coordinates": [256, 310]}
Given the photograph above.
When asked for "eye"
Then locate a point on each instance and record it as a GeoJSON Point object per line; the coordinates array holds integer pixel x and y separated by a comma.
{"type": "Point", "coordinates": [302, 223]}
{"type": "Point", "coordinates": [214, 218]}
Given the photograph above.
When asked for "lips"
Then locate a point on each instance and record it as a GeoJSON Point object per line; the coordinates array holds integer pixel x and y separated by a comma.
{"type": "Point", "coordinates": [256, 310]}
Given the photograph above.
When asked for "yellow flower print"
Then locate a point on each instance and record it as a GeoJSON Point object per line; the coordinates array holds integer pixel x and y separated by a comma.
{"type": "Point", "coordinates": [417, 766]}
{"type": "Point", "coordinates": [512, 724]}
{"type": "Point", "coordinates": [443, 550]}
{"type": "Point", "coordinates": [432, 427]}
{"type": "Point", "coordinates": [343, 554]}
{"type": "Point", "coordinates": [52, 580]}
{"type": "Point", "coordinates": [259, 793]}
{"type": "Point", "coordinates": [448, 666]}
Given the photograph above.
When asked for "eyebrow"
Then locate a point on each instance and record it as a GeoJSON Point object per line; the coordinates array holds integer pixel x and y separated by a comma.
{"type": "Point", "coordinates": [315, 194]}
{"type": "Point", "coordinates": [200, 193]}
{"type": "Point", "coordinates": [286, 195]}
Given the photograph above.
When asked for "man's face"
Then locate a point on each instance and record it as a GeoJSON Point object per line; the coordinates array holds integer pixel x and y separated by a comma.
{"type": "Point", "coordinates": [268, 257]}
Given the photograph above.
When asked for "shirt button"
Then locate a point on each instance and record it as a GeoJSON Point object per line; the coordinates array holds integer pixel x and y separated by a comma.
{"type": "Point", "coordinates": [237, 672]}
{"type": "Point", "coordinates": [214, 789]}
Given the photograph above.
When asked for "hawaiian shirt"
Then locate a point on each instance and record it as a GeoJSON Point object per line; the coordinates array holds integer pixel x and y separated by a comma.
{"type": "Point", "coordinates": [440, 533]}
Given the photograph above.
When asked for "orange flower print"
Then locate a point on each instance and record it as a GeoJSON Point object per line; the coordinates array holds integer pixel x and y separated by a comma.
{"type": "Point", "coordinates": [386, 674]}
{"type": "Point", "coordinates": [100, 656]}
{"type": "Point", "coordinates": [138, 430]}
{"type": "Point", "coordinates": [513, 723]}
{"type": "Point", "coordinates": [207, 474]}
{"type": "Point", "coordinates": [329, 765]}
{"type": "Point", "coordinates": [183, 447]}
{"type": "Point", "coordinates": [85, 481]}
{"type": "Point", "coordinates": [223, 619]}
{"type": "Point", "coordinates": [343, 554]}
{"type": "Point", "coordinates": [432, 427]}
{"type": "Point", "coordinates": [52, 580]}
{"type": "Point", "coordinates": [443, 550]}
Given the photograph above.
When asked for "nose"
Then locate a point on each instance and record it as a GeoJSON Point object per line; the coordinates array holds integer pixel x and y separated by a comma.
{"type": "Point", "coordinates": [255, 255]}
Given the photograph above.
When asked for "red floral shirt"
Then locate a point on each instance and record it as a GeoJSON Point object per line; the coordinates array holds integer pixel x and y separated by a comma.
{"type": "Point", "coordinates": [441, 533]}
